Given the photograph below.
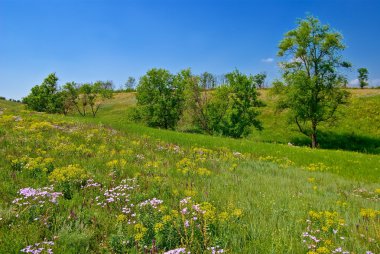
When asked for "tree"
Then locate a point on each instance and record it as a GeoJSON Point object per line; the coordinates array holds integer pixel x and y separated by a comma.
{"type": "Point", "coordinates": [100, 91]}
{"type": "Point", "coordinates": [66, 102]}
{"type": "Point", "coordinates": [160, 97]}
{"type": "Point", "coordinates": [260, 79]}
{"type": "Point", "coordinates": [235, 105]}
{"type": "Point", "coordinates": [229, 109]}
{"type": "Point", "coordinates": [130, 84]}
{"type": "Point", "coordinates": [72, 92]}
{"type": "Point", "coordinates": [45, 97]}
{"type": "Point", "coordinates": [363, 77]}
{"type": "Point", "coordinates": [207, 81]}
{"type": "Point", "coordinates": [198, 93]}
{"type": "Point", "coordinates": [82, 96]}
{"type": "Point", "coordinates": [313, 82]}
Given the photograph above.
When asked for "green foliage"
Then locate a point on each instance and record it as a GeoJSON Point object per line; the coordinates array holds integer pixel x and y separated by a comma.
{"type": "Point", "coordinates": [230, 109]}
{"type": "Point", "coordinates": [48, 97]}
{"type": "Point", "coordinates": [363, 77]}
{"type": "Point", "coordinates": [240, 113]}
{"type": "Point", "coordinates": [260, 80]}
{"type": "Point", "coordinates": [130, 85]}
{"type": "Point", "coordinates": [197, 98]}
{"type": "Point", "coordinates": [82, 96]}
{"type": "Point", "coordinates": [45, 97]}
{"type": "Point", "coordinates": [164, 99]}
{"type": "Point", "coordinates": [160, 97]}
{"type": "Point", "coordinates": [313, 83]}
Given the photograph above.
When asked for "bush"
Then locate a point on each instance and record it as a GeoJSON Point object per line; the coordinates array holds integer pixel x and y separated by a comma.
{"type": "Point", "coordinates": [160, 97]}
{"type": "Point", "coordinates": [229, 110]}
{"type": "Point", "coordinates": [45, 97]}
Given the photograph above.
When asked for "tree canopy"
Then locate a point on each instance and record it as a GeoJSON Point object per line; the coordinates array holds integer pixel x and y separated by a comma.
{"type": "Point", "coordinates": [45, 97]}
{"type": "Point", "coordinates": [313, 81]}
{"type": "Point", "coordinates": [363, 77]}
{"type": "Point", "coordinates": [160, 97]}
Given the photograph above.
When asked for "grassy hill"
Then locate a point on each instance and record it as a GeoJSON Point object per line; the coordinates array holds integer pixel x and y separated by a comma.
{"type": "Point", "coordinates": [253, 197]}
{"type": "Point", "coordinates": [357, 127]}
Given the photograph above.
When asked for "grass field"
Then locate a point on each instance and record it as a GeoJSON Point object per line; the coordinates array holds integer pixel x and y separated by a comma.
{"type": "Point", "coordinates": [254, 195]}
{"type": "Point", "coordinates": [356, 129]}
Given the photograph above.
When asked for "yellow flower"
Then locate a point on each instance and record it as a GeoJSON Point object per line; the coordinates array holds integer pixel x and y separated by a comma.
{"type": "Point", "coordinates": [237, 213]}
{"type": "Point", "coordinates": [323, 250]}
{"type": "Point", "coordinates": [158, 227]}
{"type": "Point", "coordinates": [140, 229]}
{"type": "Point", "coordinates": [203, 171]}
{"type": "Point", "coordinates": [117, 164]}
{"type": "Point", "coordinates": [139, 237]}
{"type": "Point", "coordinates": [112, 163]}
{"type": "Point", "coordinates": [315, 215]}
{"type": "Point", "coordinates": [174, 213]}
{"type": "Point", "coordinates": [166, 219]}
{"type": "Point", "coordinates": [190, 193]}
{"type": "Point", "coordinates": [71, 173]}
{"type": "Point", "coordinates": [135, 142]}
{"type": "Point", "coordinates": [223, 216]}
{"type": "Point", "coordinates": [209, 211]}
{"type": "Point", "coordinates": [121, 218]}
{"type": "Point", "coordinates": [233, 167]}
{"type": "Point", "coordinates": [40, 126]}
{"type": "Point", "coordinates": [311, 179]}
{"type": "Point", "coordinates": [329, 222]}
{"type": "Point", "coordinates": [369, 213]}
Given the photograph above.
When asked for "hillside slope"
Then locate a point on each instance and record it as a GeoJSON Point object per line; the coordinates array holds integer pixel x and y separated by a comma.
{"type": "Point", "coordinates": [357, 127]}
{"type": "Point", "coordinates": [255, 197]}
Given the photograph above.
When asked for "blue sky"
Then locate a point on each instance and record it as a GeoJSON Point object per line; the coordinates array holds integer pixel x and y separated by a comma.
{"type": "Point", "coordinates": [89, 40]}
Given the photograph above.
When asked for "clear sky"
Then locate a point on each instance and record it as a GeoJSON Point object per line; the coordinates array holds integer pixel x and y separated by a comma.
{"type": "Point", "coordinates": [89, 40]}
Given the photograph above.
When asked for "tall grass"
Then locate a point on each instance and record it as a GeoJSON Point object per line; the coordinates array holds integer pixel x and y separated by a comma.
{"type": "Point", "coordinates": [276, 187]}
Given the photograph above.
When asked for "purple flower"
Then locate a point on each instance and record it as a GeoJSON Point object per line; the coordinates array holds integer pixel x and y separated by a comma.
{"type": "Point", "coordinates": [176, 251]}
{"type": "Point", "coordinates": [36, 196]}
{"type": "Point", "coordinates": [185, 201]}
{"type": "Point", "coordinates": [35, 249]}
{"type": "Point", "coordinates": [154, 202]}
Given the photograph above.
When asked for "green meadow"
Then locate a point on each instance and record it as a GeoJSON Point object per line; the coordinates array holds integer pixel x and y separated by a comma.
{"type": "Point", "coordinates": [106, 185]}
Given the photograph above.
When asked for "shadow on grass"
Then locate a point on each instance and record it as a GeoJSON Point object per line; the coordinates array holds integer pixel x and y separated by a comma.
{"type": "Point", "coordinates": [343, 141]}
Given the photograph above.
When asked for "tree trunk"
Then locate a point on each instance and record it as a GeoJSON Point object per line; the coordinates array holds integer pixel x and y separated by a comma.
{"type": "Point", "coordinates": [314, 143]}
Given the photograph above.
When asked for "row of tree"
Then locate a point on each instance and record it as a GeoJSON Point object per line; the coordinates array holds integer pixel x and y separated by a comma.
{"type": "Point", "coordinates": [311, 89]}
{"type": "Point", "coordinates": [164, 99]}
{"type": "Point", "coordinates": [84, 98]}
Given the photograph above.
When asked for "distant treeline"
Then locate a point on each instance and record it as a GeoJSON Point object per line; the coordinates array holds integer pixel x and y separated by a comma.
{"type": "Point", "coordinates": [13, 100]}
